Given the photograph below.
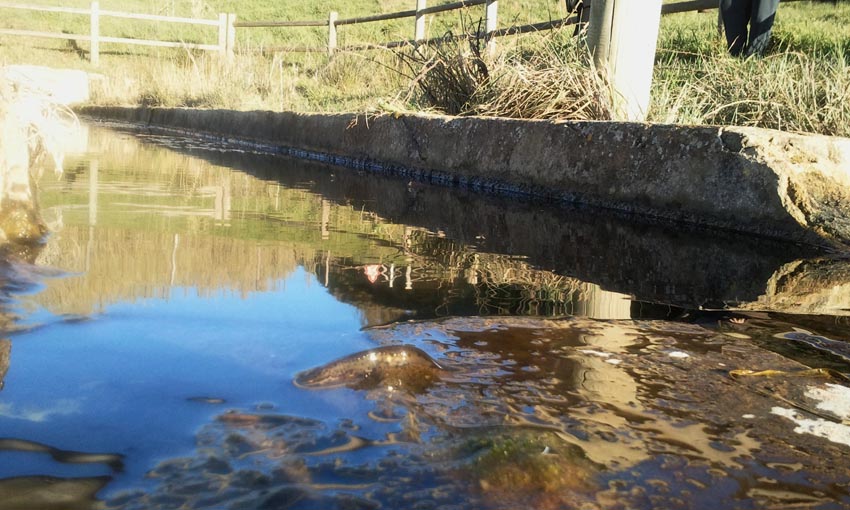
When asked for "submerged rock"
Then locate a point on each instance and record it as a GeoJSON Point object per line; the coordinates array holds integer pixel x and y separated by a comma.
{"type": "Point", "coordinates": [397, 366]}
{"type": "Point", "coordinates": [114, 461]}
{"type": "Point", "coordinates": [49, 493]}
{"type": "Point", "coordinates": [519, 468]}
{"type": "Point", "coordinates": [21, 223]}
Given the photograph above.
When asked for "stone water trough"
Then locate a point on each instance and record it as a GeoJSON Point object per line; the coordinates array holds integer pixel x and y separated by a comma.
{"type": "Point", "coordinates": [781, 185]}
{"type": "Point", "coordinates": [771, 183]}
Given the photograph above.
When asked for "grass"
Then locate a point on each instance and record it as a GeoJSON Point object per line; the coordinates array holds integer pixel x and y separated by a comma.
{"type": "Point", "coordinates": [553, 79]}
{"type": "Point", "coordinates": [802, 84]}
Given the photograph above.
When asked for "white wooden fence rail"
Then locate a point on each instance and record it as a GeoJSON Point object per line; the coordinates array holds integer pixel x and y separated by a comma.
{"type": "Point", "coordinates": [224, 43]}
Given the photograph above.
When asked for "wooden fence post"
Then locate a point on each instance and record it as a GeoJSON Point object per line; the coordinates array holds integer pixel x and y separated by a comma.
{"type": "Point", "coordinates": [332, 32]}
{"type": "Point", "coordinates": [490, 25]}
{"type": "Point", "coordinates": [599, 31]}
{"type": "Point", "coordinates": [94, 48]}
{"type": "Point", "coordinates": [419, 32]}
{"type": "Point", "coordinates": [222, 33]}
{"type": "Point", "coordinates": [230, 44]}
{"type": "Point", "coordinates": [622, 35]}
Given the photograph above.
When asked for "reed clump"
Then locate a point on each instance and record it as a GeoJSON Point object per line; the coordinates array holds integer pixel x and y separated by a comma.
{"type": "Point", "coordinates": [448, 75]}
{"type": "Point", "coordinates": [554, 78]}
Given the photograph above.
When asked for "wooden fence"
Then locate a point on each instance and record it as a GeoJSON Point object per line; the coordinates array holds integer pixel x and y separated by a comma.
{"type": "Point", "coordinates": [227, 25]}
{"type": "Point", "coordinates": [224, 45]}
{"type": "Point", "coordinates": [491, 29]}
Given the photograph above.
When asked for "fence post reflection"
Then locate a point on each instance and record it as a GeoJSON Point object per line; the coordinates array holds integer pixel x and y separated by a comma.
{"type": "Point", "coordinates": [326, 219]}
{"type": "Point", "coordinates": [327, 268]}
{"type": "Point", "coordinates": [596, 303]}
{"type": "Point", "coordinates": [94, 166]}
{"type": "Point", "coordinates": [472, 271]}
{"type": "Point", "coordinates": [174, 259]}
{"type": "Point", "coordinates": [223, 200]}
{"type": "Point", "coordinates": [93, 171]}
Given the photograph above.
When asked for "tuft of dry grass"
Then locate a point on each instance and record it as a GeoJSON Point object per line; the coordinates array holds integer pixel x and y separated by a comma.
{"type": "Point", "coordinates": [448, 74]}
{"type": "Point", "coordinates": [553, 79]}
{"type": "Point", "coordinates": [557, 81]}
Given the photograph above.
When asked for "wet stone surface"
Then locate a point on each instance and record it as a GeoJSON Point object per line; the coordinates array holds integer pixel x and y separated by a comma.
{"type": "Point", "coordinates": [532, 413]}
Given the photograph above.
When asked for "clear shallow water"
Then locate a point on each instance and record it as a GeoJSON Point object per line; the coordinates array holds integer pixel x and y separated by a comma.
{"type": "Point", "coordinates": [184, 286]}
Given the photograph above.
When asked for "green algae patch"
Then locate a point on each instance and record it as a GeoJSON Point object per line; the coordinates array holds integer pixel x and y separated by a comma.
{"type": "Point", "coordinates": [528, 467]}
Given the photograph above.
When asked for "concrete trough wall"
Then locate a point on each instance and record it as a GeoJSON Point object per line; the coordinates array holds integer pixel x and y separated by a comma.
{"type": "Point", "coordinates": [771, 183]}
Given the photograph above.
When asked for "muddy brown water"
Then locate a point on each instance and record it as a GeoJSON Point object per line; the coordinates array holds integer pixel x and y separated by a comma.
{"type": "Point", "coordinates": [210, 328]}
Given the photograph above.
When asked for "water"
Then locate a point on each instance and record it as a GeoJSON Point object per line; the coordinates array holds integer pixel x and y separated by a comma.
{"type": "Point", "coordinates": [585, 360]}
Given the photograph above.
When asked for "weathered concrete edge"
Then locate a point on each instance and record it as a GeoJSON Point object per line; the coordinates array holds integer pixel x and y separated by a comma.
{"type": "Point", "coordinates": [780, 185]}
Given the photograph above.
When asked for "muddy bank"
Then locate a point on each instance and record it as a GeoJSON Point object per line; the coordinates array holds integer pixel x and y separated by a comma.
{"type": "Point", "coordinates": [758, 181]}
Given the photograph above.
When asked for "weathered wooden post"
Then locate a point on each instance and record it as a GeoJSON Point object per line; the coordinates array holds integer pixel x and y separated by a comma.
{"type": "Point", "coordinates": [222, 33]}
{"type": "Point", "coordinates": [419, 31]}
{"type": "Point", "coordinates": [490, 23]}
{"type": "Point", "coordinates": [230, 45]}
{"type": "Point", "coordinates": [622, 36]}
{"type": "Point", "coordinates": [94, 49]}
{"type": "Point", "coordinates": [332, 32]}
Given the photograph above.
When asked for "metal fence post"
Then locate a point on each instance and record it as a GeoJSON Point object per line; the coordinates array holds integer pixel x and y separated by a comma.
{"type": "Point", "coordinates": [94, 49]}
{"type": "Point", "coordinates": [419, 32]}
{"type": "Point", "coordinates": [332, 32]}
{"type": "Point", "coordinates": [490, 24]}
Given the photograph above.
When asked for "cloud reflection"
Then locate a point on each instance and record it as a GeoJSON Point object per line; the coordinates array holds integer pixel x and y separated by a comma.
{"type": "Point", "coordinates": [62, 407]}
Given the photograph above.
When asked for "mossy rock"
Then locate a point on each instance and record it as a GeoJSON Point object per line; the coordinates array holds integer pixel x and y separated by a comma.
{"type": "Point", "coordinates": [529, 467]}
{"type": "Point", "coordinates": [21, 223]}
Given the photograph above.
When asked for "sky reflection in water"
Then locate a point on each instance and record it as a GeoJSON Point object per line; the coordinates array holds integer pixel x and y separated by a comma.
{"type": "Point", "coordinates": [120, 382]}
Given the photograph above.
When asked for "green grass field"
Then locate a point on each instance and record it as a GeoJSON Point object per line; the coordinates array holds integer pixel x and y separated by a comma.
{"type": "Point", "coordinates": [802, 84]}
